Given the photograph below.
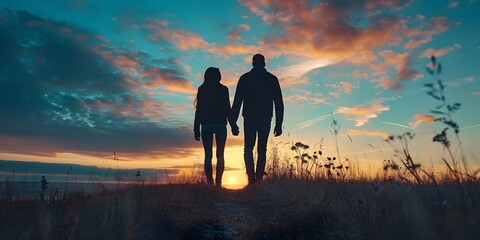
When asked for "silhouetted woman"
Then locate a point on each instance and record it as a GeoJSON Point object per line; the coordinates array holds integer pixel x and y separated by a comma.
{"type": "Point", "coordinates": [212, 111]}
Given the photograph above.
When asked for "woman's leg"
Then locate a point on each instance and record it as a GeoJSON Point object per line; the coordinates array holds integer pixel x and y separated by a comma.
{"type": "Point", "coordinates": [207, 140]}
{"type": "Point", "coordinates": [220, 138]}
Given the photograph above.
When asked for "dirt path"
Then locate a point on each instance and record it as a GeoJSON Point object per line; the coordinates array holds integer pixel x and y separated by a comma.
{"type": "Point", "coordinates": [232, 216]}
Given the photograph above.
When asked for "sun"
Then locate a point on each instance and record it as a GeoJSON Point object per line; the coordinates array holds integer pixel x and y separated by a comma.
{"type": "Point", "coordinates": [232, 180]}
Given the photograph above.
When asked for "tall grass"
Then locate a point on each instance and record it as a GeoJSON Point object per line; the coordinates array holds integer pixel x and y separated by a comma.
{"type": "Point", "coordinates": [279, 208]}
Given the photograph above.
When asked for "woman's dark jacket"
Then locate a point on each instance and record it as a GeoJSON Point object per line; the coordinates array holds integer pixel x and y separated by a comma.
{"type": "Point", "coordinates": [213, 106]}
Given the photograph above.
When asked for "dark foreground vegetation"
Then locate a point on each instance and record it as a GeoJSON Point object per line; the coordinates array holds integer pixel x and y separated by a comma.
{"type": "Point", "coordinates": [274, 209]}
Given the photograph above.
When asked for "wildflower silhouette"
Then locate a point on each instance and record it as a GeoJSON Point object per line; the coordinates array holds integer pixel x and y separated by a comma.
{"type": "Point", "coordinates": [43, 187]}
{"type": "Point", "coordinates": [444, 112]}
{"type": "Point", "coordinates": [302, 157]}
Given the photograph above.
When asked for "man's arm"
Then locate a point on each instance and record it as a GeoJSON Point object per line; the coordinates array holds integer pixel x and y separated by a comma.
{"type": "Point", "coordinates": [279, 108]}
{"type": "Point", "coordinates": [237, 101]}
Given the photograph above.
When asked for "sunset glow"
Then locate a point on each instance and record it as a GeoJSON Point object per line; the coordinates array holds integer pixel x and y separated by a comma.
{"type": "Point", "coordinates": [80, 80]}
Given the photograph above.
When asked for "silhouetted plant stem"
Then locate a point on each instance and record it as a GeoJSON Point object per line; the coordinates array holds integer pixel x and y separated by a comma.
{"type": "Point", "coordinates": [335, 127]}
{"type": "Point", "coordinates": [437, 91]}
{"type": "Point", "coordinates": [407, 159]}
{"type": "Point", "coordinates": [357, 170]}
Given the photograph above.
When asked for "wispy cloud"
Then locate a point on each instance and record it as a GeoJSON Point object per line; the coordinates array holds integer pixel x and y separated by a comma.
{"type": "Point", "coordinates": [364, 132]}
{"type": "Point", "coordinates": [309, 99]}
{"type": "Point", "coordinates": [313, 121]}
{"type": "Point", "coordinates": [386, 82]}
{"type": "Point", "coordinates": [421, 119]}
{"type": "Point", "coordinates": [440, 52]}
{"type": "Point", "coordinates": [342, 87]}
{"type": "Point", "coordinates": [234, 35]}
{"type": "Point", "coordinates": [296, 73]}
{"type": "Point", "coordinates": [159, 30]}
{"type": "Point", "coordinates": [398, 125]}
{"type": "Point", "coordinates": [472, 126]}
{"type": "Point", "coordinates": [362, 114]}
{"type": "Point", "coordinates": [423, 33]}
{"type": "Point", "coordinates": [170, 79]}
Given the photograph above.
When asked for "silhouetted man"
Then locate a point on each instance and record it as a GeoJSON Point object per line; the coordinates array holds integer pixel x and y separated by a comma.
{"type": "Point", "coordinates": [258, 90]}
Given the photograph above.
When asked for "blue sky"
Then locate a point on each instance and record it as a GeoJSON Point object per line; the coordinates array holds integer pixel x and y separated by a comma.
{"type": "Point", "coordinates": [82, 79]}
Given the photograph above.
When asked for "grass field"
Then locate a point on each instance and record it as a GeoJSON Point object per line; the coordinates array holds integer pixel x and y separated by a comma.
{"type": "Point", "coordinates": [274, 209]}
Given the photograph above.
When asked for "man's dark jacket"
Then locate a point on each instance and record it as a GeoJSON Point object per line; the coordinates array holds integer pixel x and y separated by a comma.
{"type": "Point", "coordinates": [258, 90]}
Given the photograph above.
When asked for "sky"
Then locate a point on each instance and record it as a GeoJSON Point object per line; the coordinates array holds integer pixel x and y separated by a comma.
{"type": "Point", "coordinates": [80, 80]}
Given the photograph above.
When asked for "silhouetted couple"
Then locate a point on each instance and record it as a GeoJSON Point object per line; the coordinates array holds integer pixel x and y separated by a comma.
{"type": "Point", "coordinates": [258, 91]}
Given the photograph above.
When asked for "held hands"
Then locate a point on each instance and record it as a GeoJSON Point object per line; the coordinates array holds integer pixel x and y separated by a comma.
{"type": "Point", "coordinates": [277, 131]}
{"type": "Point", "coordinates": [235, 130]}
{"type": "Point", "coordinates": [197, 135]}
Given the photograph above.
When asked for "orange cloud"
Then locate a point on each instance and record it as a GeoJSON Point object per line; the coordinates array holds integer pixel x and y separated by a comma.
{"type": "Point", "coordinates": [386, 83]}
{"type": "Point", "coordinates": [332, 36]}
{"type": "Point", "coordinates": [159, 30]}
{"type": "Point", "coordinates": [185, 40]}
{"type": "Point", "coordinates": [167, 79]}
{"type": "Point", "coordinates": [337, 39]}
{"type": "Point", "coordinates": [295, 98]}
{"type": "Point", "coordinates": [276, 16]}
{"type": "Point", "coordinates": [402, 63]}
{"type": "Point", "coordinates": [256, 10]}
{"type": "Point", "coordinates": [234, 49]}
{"type": "Point", "coordinates": [235, 33]}
{"type": "Point", "coordinates": [343, 86]}
{"type": "Point", "coordinates": [334, 94]}
{"type": "Point", "coordinates": [440, 52]}
{"type": "Point", "coordinates": [420, 119]}
{"type": "Point", "coordinates": [316, 99]}
{"type": "Point", "coordinates": [357, 74]}
{"type": "Point", "coordinates": [414, 43]}
{"type": "Point", "coordinates": [182, 39]}
{"type": "Point", "coordinates": [122, 60]}
{"type": "Point", "coordinates": [362, 114]}
{"type": "Point", "coordinates": [357, 132]}
{"type": "Point", "coordinates": [423, 34]}
{"type": "Point", "coordinates": [125, 63]}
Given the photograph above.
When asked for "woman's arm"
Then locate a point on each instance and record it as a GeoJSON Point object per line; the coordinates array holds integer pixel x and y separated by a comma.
{"type": "Point", "coordinates": [228, 110]}
{"type": "Point", "coordinates": [196, 122]}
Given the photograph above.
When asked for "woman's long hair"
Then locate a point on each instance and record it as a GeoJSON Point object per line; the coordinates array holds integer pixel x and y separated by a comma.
{"type": "Point", "coordinates": [211, 79]}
